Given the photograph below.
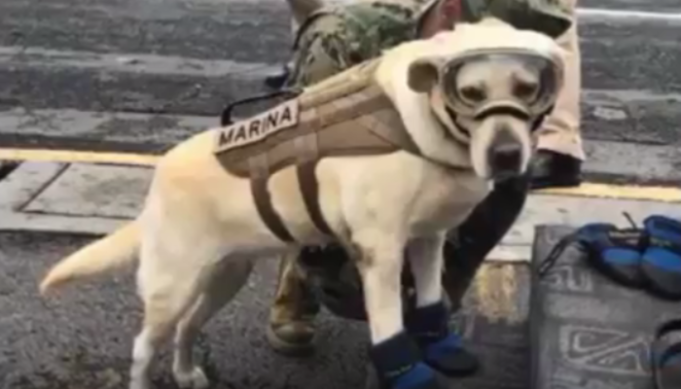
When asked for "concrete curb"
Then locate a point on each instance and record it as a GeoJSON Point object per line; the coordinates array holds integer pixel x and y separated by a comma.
{"type": "Point", "coordinates": [6, 167]}
{"type": "Point", "coordinates": [96, 199]}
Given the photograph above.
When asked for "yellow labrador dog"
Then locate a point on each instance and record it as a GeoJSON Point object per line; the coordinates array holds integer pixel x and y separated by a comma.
{"type": "Point", "coordinates": [469, 99]}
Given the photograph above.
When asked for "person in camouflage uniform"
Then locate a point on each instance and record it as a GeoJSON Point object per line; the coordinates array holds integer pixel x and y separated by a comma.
{"type": "Point", "coordinates": [333, 39]}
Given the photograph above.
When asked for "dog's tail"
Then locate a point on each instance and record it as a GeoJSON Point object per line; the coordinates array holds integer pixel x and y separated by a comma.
{"type": "Point", "coordinates": [106, 254]}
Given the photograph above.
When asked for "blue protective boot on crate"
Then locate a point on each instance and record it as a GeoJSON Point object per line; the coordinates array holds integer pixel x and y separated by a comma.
{"type": "Point", "coordinates": [666, 356]}
{"type": "Point", "coordinates": [661, 264]}
{"type": "Point", "coordinates": [615, 252]}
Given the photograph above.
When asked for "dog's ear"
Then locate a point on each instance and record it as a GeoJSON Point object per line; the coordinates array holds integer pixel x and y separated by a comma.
{"type": "Point", "coordinates": [423, 75]}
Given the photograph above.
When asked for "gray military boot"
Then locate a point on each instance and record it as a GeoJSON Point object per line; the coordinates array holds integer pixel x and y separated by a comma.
{"type": "Point", "coordinates": [291, 328]}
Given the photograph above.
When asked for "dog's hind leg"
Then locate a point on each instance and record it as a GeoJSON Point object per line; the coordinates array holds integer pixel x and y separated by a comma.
{"type": "Point", "coordinates": [224, 283]}
{"type": "Point", "coordinates": [395, 356]}
{"type": "Point", "coordinates": [170, 279]}
{"type": "Point", "coordinates": [428, 323]}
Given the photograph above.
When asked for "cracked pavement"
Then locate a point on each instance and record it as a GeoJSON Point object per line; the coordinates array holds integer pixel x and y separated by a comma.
{"type": "Point", "coordinates": [81, 337]}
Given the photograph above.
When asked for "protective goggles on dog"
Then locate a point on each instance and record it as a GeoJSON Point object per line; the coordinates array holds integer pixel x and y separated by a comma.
{"type": "Point", "coordinates": [540, 101]}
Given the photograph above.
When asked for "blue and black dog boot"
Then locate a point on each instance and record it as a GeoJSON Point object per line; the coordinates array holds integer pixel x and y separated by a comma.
{"type": "Point", "coordinates": [662, 259]}
{"type": "Point", "coordinates": [442, 350]}
{"type": "Point", "coordinates": [616, 253]}
{"type": "Point", "coordinates": [399, 365]}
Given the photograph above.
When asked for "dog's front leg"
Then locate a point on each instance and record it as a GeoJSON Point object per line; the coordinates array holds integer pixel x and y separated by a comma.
{"type": "Point", "coordinates": [394, 354]}
{"type": "Point", "coordinates": [428, 324]}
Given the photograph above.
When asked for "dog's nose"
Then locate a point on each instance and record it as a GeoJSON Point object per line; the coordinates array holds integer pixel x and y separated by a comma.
{"type": "Point", "coordinates": [506, 157]}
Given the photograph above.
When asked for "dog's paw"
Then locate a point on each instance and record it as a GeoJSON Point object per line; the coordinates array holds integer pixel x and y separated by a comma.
{"type": "Point", "coordinates": [194, 379]}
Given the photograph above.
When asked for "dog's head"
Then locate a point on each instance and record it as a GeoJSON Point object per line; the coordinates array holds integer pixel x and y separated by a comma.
{"type": "Point", "coordinates": [493, 98]}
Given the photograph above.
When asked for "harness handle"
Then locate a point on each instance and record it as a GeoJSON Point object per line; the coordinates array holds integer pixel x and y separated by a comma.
{"type": "Point", "coordinates": [226, 116]}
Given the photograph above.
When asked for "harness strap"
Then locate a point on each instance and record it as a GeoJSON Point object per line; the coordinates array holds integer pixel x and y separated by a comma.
{"type": "Point", "coordinates": [383, 128]}
{"type": "Point", "coordinates": [309, 187]}
{"type": "Point", "coordinates": [263, 200]}
{"type": "Point", "coordinates": [308, 157]}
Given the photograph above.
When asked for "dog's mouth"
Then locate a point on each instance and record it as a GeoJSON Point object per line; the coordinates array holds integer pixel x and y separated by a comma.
{"type": "Point", "coordinates": [452, 117]}
{"type": "Point", "coordinates": [501, 176]}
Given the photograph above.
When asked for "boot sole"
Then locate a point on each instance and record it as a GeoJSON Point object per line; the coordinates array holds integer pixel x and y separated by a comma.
{"type": "Point", "coordinates": [287, 348]}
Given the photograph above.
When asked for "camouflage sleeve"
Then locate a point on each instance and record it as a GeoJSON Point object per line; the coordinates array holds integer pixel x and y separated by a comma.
{"type": "Point", "coordinates": [322, 50]}
{"type": "Point", "coordinates": [551, 17]}
{"type": "Point", "coordinates": [336, 39]}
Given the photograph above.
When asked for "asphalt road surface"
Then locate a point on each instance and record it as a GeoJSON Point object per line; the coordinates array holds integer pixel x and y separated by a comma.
{"type": "Point", "coordinates": [171, 62]}
{"type": "Point", "coordinates": [64, 62]}
{"type": "Point", "coordinates": [82, 337]}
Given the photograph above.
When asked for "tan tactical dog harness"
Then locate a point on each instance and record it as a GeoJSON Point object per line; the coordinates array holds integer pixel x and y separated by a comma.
{"type": "Point", "coordinates": [346, 115]}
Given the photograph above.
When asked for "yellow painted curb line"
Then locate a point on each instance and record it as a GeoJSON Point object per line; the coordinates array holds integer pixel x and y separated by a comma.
{"type": "Point", "coordinates": [622, 192]}
{"type": "Point", "coordinates": [629, 192]}
{"type": "Point", "coordinates": [72, 156]}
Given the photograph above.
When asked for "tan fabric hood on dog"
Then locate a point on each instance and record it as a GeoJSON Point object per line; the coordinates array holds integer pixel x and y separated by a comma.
{"type": "Point", "coordinates": [345, 115]}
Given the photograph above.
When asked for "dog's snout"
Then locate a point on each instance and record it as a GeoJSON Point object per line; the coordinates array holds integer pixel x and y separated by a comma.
{"type": "Point", "coordinates": [505, 155]}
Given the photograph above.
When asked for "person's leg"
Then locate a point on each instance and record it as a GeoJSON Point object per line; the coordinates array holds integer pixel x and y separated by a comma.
{"type": "Point", "coordinates": [467, 247]}
{"type": "Point", "coordinates": [291, 328]}
{"type": "Point", "coordinates": [559, 159]}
